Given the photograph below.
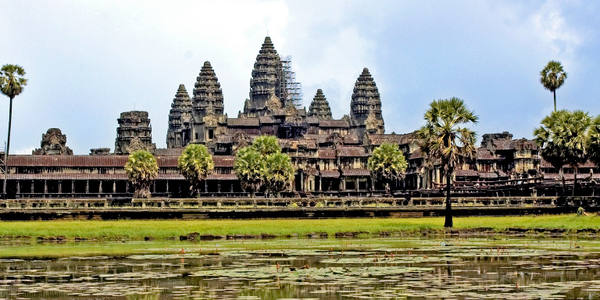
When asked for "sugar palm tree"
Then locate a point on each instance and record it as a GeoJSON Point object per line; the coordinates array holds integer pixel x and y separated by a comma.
{"type": "Point", "coordinates": [195, 164]}
{"type": "Point", "coordinates": [448, 140]}
{"type": "Point", "coordinates": [564, 138]}
{"type": "Point", "coordinates": [11, 85]}
{"type": "Point", "coordinates": [142, 169]}
{"type": "Point", "coordinates": [552, 77]}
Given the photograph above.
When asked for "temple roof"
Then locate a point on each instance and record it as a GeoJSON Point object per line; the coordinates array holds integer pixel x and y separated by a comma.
{"type": "Point", "coordinates": [91, 161]}
{"type": "Point", "coordinates": [319, 106]}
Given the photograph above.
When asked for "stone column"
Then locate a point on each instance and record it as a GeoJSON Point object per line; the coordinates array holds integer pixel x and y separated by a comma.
{"type": "Point", "coordinates": [301, 181]}
{"type": "Point", "coordinates": [167, 184]}
{"type": "Point", "coordinates": [72, 186]}
{"type": "Point", "coordinates": [114, 188]}
{"type": "Point", "coordinates": [205, 186]}
{"type": "Point", "coordinates": [32, 186]}
{"type": "Point", "coordinates": [18, 187]}
{"type": "Point", "coordinates": [219, 186]}
{"type": "Point", "coordinates": [87, 186]}
{"type": "Point", "coordinates": [60, 186]}
{"type": "Point", "coordinates": [45, 186]}
{"type": "Point", "coordinates": [99, 186]}
{"type": "Point", "coordinates": [356, 182]}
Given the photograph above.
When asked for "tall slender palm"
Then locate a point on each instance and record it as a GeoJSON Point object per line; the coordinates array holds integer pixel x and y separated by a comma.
{"type": "Point", "coordinates": [11, 85]}
{"type": "Point", "coordinates": [552, 77]}
{"type": "Point", "coordinates": [447, 140]}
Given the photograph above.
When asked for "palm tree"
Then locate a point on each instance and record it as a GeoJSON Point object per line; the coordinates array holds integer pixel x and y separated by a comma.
{"type": "Point", "coordinates": [564, 138]}
{"type": "Point", "coordinates": [447, 139]}
{"type": "Point", "coordinates": [248, 166]}
{"type": "Point", "coordinates": [11, 85]}
{"type": "Point", "coordinates": [552, 77]}
{"type": "Point", "coordinates": [142, 169]}
{"type": "Point", "coordinates": [278, 172]}
{"type": "Point", "coordinates": [387, 164]}
{"type": "Point", "coordinates": [195, 163]}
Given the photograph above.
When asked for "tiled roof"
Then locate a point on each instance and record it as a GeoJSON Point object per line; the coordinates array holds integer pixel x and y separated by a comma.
{"type": "Point", "coordinates": [334, 124]}
{"type": "Point", "coordinates": [400, 139]}
{"type": "Point", "coordinates": [231, 176]}
{"type": "Point", "coordinates": [356, 172]}
{"type": "Point", "coordinates": [488, 175]}
{"type": "Point", "coordinates": [327, 153]}
{"type": "Point", "coordinates": [267, 120]}
{"type": "Point", "coordinates": [330, 173]}
{"type": "Point", "coordinates": [485, 154]}
{"type": "Point", "coordinates": [242, 122]}
{"type": "Point", "coordinates": [120, 176]}
{"type": "Point", "coordinates": [92, 161]}
{"type": "Point", "coordinates": [466, 173]}
{"type": "Point", "coordinates": [352, 152]}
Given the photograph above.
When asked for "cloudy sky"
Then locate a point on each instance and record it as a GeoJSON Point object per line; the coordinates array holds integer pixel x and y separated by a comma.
{"type": "Point", "coordinates": [87, 61]}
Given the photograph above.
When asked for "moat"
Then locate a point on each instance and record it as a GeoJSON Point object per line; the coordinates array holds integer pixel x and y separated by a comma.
{"type": "Point", "coordinates": [381, 268]}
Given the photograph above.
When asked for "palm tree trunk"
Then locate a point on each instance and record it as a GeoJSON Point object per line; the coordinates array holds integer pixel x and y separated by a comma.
{"type": "Point", "coordinates": [554, 92]}
{"type": "Point", "coordinates": [448, 219]}
{"type": "Point", "coordinates": [7, 147]}
{"type": "Point", "coordinates": [561, 173]}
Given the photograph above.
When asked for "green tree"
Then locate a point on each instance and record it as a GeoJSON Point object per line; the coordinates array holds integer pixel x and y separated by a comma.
{"type": "Point", "coordinates": [564, 139]}
{"type": "Point", "coordinates": [266, 144]}
{"type": "Point", "coordinates": [447, 140]}
{"type": "Point", "coordinates": [594, 141]}
{"type": "Point", "coordinates": [12, 83]}
{"type": "Point", "coordinates": [248, 166]}
{"type": "Point", "coordinates": [387, 164]}
{"type": "Point", "coordinates": [552, 77]}
{"type": "Point", "coordinates": [263, 165]}
{"type": "Point", "coordinates": [278, 172]}
{"type": "Point", "coordinates": [195, 163]}
{"type": "Point", "coordinates": [142, 169]}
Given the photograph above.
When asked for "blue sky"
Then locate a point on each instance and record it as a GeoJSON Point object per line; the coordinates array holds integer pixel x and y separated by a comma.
{"type": "Point", "coordinates": [87, 61]}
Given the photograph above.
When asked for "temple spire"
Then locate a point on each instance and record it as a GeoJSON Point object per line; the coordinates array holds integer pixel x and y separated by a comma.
{"type": "Point", "coordinates": [267, 76]}
{"type": "Point", "coordinates": [365, 97]}
{"type": "Point", "coordinates": [180, 119]}
{"type": "Point", "coordinates": [319, 107]}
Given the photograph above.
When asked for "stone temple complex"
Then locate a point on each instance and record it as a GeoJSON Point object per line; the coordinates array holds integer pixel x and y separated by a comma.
{"type": "Point", "coordinates": [330, 155]}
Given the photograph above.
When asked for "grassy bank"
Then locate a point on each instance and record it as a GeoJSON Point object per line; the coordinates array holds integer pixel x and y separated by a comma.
{"type": "Point", "coordinates": [168, 229]}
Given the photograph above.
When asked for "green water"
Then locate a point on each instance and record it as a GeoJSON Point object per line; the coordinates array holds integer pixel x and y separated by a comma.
{"type": "Point", "coordinates": [387, 268]}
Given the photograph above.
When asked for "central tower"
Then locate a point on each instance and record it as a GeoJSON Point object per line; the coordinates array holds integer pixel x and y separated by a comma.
{"type": "Point", "coordinates": [267, 79]}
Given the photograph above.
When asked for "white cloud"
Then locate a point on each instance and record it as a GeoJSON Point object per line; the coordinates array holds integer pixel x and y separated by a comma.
{"type": "Point", "coordinates": [554, 32]}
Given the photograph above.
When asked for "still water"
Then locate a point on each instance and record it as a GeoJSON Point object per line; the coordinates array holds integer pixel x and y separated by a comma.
{"type": "Point", "coordinates": [386, 268]}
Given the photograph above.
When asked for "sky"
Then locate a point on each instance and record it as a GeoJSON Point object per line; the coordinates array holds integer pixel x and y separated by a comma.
{"type": "Point", "coordinates": [87, 61]}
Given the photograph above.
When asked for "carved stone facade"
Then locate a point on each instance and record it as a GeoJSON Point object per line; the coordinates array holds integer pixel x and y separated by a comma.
{"type": "Point", "coordinates": [134, 133]}
{"type": "Point", "coordinates": [54, 142]}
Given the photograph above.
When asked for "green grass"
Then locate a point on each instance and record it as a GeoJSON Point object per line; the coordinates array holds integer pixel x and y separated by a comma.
{"type": "Point", "coordinates": [165, 229]}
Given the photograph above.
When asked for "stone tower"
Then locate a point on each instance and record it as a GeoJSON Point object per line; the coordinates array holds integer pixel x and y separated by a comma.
{"type": "Point", "coordinates": [267, 78]}
{"type": "Point", "coordinates": [365, 100]}
{"type": "Point", "coordinates": [319, 107]}
{"type": "Point", "coordinates": [180, 120]}
{"type": "Point", "coordinates": [54, 142]}
{"type": "Point", "coordinates": [207, 105]}
{"type": "Point", "coordinates": [134, 132]}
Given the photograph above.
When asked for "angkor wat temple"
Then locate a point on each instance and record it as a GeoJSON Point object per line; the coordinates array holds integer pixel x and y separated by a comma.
{"type": "Point", "coordinates": [330, 155]}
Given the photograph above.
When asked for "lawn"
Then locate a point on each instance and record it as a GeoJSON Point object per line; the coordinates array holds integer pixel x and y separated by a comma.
{"type": "Point", "coordinates": [166, 229]}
